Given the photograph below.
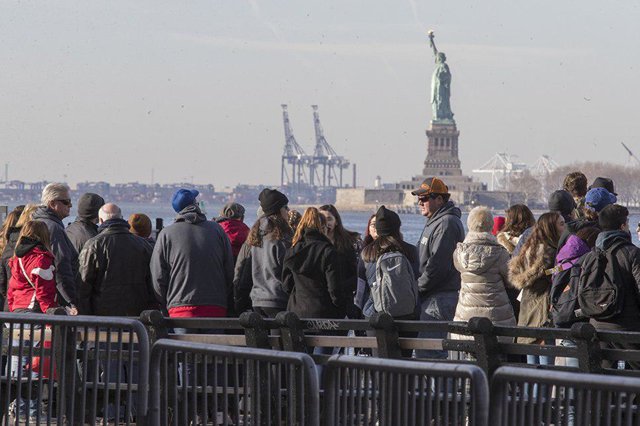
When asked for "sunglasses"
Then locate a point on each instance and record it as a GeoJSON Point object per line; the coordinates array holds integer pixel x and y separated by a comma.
{"type": "Point", "coordinates": [426, 198]}
{"type": "Point", "coordinates": [66, 202]}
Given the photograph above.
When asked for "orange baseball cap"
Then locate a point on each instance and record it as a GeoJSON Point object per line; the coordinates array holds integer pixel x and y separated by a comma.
{"type": "Point", "coordinates": [431, 186]}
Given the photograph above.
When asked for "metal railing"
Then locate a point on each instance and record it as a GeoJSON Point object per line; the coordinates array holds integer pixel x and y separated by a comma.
{"type": "Point", "coordinates": [394, 392]}
{"type": "Point", "coordinates": [194, 383]}
{"type": "Point", "coordinates": [74, 370]}
{"type": "Point", "coordinates": [523, 396]}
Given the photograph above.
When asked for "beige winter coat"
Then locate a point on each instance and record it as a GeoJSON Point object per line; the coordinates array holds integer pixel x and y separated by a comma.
{"type": "Point", "coordinates": [526, 272]}
{"type": "Point", "coordinates": [483, 267]}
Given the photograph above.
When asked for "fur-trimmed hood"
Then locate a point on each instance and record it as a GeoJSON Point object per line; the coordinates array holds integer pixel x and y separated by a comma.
{"type": "Point", "coordinates": [527, 267]}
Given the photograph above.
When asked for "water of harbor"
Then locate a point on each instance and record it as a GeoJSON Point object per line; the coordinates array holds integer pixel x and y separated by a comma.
{"type": "Point", "coordinates": [412, 224]}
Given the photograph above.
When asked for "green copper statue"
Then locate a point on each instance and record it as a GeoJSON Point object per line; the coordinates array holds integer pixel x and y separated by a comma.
{"type": "Point", "coordinates": [440, 85]}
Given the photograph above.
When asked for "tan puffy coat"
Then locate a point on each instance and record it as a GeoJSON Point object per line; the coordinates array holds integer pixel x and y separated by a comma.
{"type": "Point", "coordinates": [526, 272]}
{"type": "Point", "coordinates": [483, 266]}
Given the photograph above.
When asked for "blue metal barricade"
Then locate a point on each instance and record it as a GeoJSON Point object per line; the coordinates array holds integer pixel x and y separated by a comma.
{"type": "Point", "coordinates": [73, 370]}
{"type": "Point", "coordinates": [395, 392]}
{"type": "Point", "coordinates": [527, 396]}
{"type": "Point", "coordinates": [194, 383]}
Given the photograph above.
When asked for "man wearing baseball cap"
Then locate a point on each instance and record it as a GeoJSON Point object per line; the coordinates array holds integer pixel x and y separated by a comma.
{"type": "Point", "coordinates": [439, 281]}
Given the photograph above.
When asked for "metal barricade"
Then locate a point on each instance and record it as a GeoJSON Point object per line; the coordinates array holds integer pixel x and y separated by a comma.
{"type": "Point", "coordinates": [73, 370]}
{"type": "Point", "coordinates": [194, 383]}
{"type": "Point", "coordinates": [395, 392]}
{"type": "Point", "coordinates": [526, 396]}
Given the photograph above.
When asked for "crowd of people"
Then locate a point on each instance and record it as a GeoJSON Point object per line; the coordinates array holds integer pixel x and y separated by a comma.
{"type": "Point", "coordinates": [558, 269]}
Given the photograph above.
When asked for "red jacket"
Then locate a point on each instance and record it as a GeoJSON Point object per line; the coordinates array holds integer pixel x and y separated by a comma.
{"type": "Point", "coordinates": [237, 232]}
{"type": "Point", "coordinates": [38, 263]}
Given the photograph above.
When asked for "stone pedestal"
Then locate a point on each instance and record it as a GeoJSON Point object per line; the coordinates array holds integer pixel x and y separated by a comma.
{"type": "Point", "coordinates": [442, 149]}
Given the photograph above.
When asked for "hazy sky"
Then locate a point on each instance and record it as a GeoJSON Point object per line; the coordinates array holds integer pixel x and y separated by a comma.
{"type": "Point", "coordinates": [108, 90]}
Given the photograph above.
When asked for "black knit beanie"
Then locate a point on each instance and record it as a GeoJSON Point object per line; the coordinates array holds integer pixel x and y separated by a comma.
{"type": "Point", "coordinates": [272, 200]}
{"type": "Point", "coordinates": [387, 222]}
{"type": "Point", "coordinates": [562, 202]}
{"type": "Point", "coordinates": [88, 206]}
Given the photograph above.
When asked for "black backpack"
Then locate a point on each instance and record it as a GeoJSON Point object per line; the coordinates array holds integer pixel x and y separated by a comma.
{"type": "Point", "coordinates": [600, 292]}
{"type": "Point", "coordinates": [565, 309]}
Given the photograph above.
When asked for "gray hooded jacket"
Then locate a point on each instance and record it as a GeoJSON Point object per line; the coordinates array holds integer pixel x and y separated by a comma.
{"type": "Point", "coordinates": [66, 256]}
{"type": "Point", "coordinates": [192, 262]}
{"type": "Point", "coordinates": [440, 236]}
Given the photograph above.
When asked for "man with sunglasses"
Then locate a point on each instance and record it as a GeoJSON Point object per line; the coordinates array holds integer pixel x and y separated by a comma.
{"type": "Point", "coordinates": [439, 281]}
{"type": "Point", "coordinates": [55, 206]}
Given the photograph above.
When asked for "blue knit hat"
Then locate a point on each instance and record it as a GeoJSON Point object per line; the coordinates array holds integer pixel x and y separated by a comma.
{"type": "Point", "coordinates": [599, 198]}
{"type": "Point", "coordinates": [183, 198]}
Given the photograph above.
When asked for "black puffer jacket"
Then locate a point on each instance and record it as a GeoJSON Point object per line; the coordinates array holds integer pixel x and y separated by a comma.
{"type": "Point", "coordinates": [5, 271]}
{"type": "Point", "coordinates": [80, 231]}
{"type": "Point", "coordinates": [114, 273]}
{"type": "Point", "coordinates": [311, 275]}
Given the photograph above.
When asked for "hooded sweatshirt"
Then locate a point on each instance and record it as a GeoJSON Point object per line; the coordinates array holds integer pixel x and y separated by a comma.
{"type": "Point", "coordinates": [311, 275]}
{"type": "Point", "coordinates": [66, 256]}
{"type": "Point", "coordinates": [37, 262]}
{"type": "Point", "coordinates": [484, 269]}
{"type": "Point", "coordinates": [237, 232]}
{"type": "Point", "coordinates": [192, 263]}
{"type": "Point", "coordinates": [440, 236]}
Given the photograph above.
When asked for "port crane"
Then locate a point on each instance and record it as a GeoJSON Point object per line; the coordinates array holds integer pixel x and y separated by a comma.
{"type": "Point", "coordinates": [325, 158]}
{"type": "Point", "coordinates": [631, 154]}
{"type": "Point", "coordinates": [295, 161]}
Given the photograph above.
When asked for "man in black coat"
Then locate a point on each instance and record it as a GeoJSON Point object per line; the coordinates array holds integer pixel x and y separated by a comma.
{"type": "Point", "coordinates": [115, 278]}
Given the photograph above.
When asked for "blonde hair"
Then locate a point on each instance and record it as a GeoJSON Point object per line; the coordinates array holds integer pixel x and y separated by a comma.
{"type": "Point", "coordinates": [36, 230]}
{"type": "Point", "coordinates": [53, 191]}
{"type": "Point", "coordinates": [311, 219]}
{"type": "Point", "coordinates": [480, 220]}
{"type": "Point", "coordinates": [26, 214]}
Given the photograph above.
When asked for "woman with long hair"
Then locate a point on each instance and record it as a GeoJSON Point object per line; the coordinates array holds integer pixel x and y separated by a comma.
{"type": "Point", "coordinates": [527, 273]}
{"type": "Point", "coordinates": [348, 245]}
{"type": "Point", "coordinates": [389, 240]}
{"type": "Point", "coordinates": [8, 225]}
{"type": "Point", "coordinates": [269, 238]}
{"type": "Point", "coordinates": [32, 287]}
{"type": "Point", "coordinates": [8, 239]}
{"type": "Point", "coordinates": [519, 218]}
{"type": "Point", "coordinates": [361, 298]}
{"type": "Point", "coordinates": [311, 272]}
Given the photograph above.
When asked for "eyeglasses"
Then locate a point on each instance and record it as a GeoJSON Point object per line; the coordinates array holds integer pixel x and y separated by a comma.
{"type": "Point", "coordinates": [66, 202]}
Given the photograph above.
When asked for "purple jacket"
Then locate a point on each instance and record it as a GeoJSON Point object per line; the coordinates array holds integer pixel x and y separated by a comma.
{"type": "Point", "coordinates": [571, 252]}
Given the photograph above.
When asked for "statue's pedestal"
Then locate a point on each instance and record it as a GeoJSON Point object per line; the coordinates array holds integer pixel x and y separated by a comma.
{"type": "Point", "coordinates": [442, 149]}
{"type": "Point", "coordinates": [442, 161]}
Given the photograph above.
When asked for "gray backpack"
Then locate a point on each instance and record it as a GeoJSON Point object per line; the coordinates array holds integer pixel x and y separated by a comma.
{"type": "Point", "coordinates": [395, 290]}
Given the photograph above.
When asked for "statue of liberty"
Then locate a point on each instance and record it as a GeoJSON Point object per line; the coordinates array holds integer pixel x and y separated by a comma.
{"type": "Point", "coordinates": [440, 85]}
